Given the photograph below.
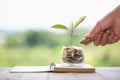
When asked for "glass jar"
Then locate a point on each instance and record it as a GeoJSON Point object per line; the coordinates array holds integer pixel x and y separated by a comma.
{"type": "Point", "coordinates": [72, 56]}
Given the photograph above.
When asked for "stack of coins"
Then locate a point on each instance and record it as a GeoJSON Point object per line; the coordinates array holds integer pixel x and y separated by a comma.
{"type": "Point", "coordinates": [72, 55]}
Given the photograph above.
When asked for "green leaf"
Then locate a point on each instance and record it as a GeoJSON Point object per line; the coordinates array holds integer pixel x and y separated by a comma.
{"type": "Point", "coordinates": [78, 22]}
{"type": "Point", "coordinates": [59, 26]}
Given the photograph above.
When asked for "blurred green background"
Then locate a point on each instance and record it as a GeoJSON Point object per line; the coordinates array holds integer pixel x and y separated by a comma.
{"type": "Point", "coordinates": [27, 39]}
{"type": "Point", "coordinates": [40, 47]}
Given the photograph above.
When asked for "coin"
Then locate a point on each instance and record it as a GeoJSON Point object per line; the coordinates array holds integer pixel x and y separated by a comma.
{"type": "Point", "coordinates": [84, 41]}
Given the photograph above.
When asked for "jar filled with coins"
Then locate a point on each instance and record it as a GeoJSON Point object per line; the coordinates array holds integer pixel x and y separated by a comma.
{"type": "Point", "coordinates": [72, 56]}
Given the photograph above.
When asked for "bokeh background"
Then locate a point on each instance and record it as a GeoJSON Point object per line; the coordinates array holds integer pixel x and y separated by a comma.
{"type": "Point", "coordinates": [27, 39]}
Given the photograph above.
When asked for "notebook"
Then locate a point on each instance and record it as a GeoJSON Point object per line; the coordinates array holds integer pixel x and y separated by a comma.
{"type": "Point", "coordinates": [86, 68]}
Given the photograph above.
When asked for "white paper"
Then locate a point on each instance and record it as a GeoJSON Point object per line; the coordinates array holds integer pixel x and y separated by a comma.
{"type": "Point", "coordinates": [30, 69]}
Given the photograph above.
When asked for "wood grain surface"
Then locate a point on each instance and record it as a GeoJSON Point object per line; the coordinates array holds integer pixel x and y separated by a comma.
{"type": "Point", "coordinates": [102, 73]}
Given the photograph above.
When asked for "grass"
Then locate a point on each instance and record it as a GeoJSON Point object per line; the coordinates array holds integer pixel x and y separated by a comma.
{"type": "Point", "coordinates": [26, 56]}
{"type": "Point", "coordinates": [103, 55]}
{"type": "Point", "coordinates": [42, 55]}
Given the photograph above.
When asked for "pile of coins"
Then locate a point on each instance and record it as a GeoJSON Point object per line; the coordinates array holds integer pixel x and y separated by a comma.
{"type": "Point", "coordinates": [72, 55]}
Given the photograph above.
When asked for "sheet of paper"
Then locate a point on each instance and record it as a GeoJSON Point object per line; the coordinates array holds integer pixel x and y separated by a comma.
{"type": "Point", "coordinates": [30, 69]}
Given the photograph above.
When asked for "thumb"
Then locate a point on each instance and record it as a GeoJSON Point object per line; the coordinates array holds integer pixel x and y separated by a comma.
{"type": "Point", "coordinates": [89, 35]}
{"type": "Point", "coordinates": [94, 31]}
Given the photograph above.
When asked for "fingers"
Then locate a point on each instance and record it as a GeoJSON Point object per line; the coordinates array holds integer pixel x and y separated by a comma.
{"type": "Point", "coordinates": [112, 38]}
{"type": "Point", "coordinates": [92, 34]}
{"type": "Point", "coordinates": [115, 38]}
{"type": "Point", "coordinates": [97, 33]}
{"type": "Point", "coordinates": [105, 38]}
{"type": "Point", "coordinates": [94, 31]}
{"type": "Point", "coordinates": [98, 38]}
{"type": "Point", "coordinates": [88, 43]}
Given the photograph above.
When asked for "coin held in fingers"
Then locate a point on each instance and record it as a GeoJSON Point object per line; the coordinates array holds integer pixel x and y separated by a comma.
{"type": "Point", "coordinates": [85, 41]}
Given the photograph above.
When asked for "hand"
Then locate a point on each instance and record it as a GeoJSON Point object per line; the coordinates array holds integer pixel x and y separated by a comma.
{"type": "Point", "coordinates": [107, 30]}
{"type": "Point", "coordinates": [106, 37]}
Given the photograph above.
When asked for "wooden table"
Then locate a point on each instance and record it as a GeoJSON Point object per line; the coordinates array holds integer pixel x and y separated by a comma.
{"type": "Point", "coordinates": [102, 73]}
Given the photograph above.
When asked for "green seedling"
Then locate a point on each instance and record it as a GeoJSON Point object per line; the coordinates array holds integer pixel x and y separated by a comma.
{"type": "Point", "coordinates": [71, 29]}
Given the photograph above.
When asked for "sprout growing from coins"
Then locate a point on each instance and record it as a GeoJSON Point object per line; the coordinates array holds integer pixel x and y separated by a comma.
{"type": "Point", "coordinates": [72, 28]}
{"type": "Point", "coordinates": [71, 55]}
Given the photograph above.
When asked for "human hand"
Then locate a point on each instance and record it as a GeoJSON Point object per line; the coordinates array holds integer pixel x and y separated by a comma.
{"type": "Point", "coordinates": [107, 30]}
{"type": "Point", "coordinates": [105, 37]}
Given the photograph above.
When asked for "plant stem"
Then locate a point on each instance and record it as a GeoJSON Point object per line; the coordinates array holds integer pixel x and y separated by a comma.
{"type": "Point", "coordinates": [71, 36]}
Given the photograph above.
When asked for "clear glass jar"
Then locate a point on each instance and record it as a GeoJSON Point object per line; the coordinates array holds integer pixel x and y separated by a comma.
{"type": "Point", "coordinates": [72, 56]}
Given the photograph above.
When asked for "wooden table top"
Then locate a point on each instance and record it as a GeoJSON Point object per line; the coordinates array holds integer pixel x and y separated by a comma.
{"type": "Point", "coordinates": [102, 73]}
